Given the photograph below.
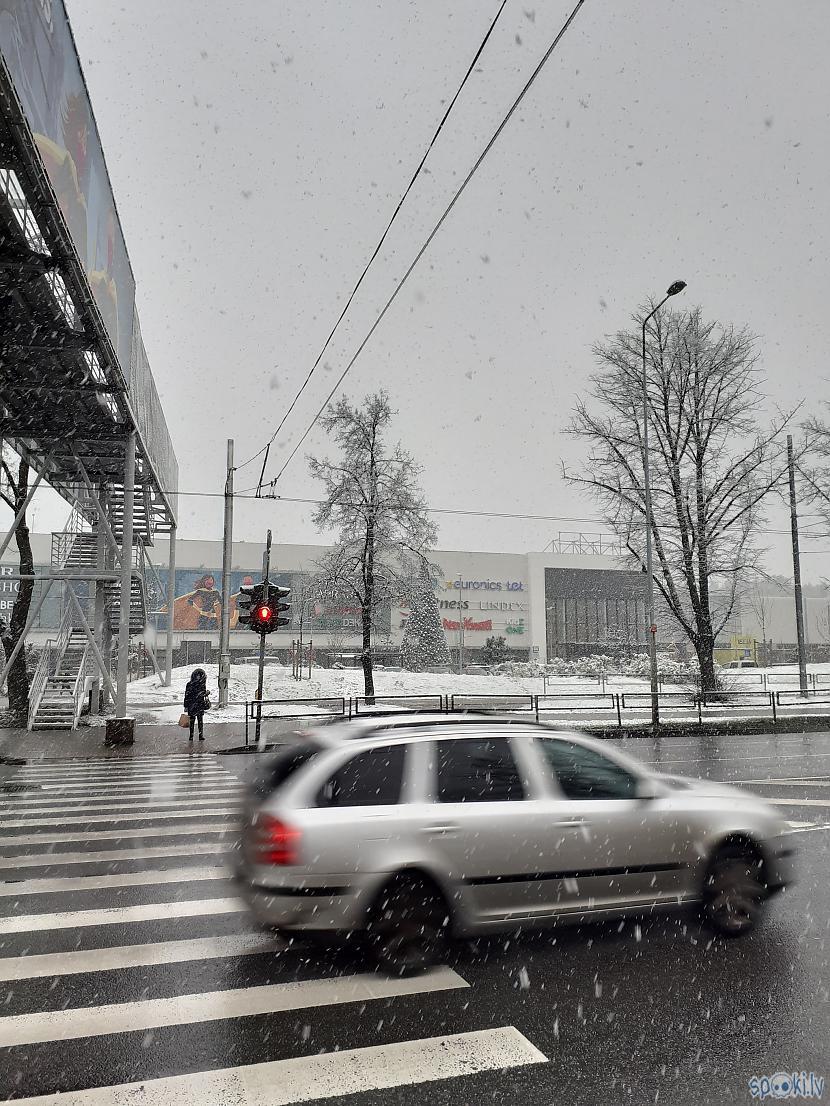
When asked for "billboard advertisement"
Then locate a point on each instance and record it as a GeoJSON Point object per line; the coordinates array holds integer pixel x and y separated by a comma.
{"type": "Point", "coordinates": [39, 52]}
{"type": "Point", "coordinates": [198, 604]}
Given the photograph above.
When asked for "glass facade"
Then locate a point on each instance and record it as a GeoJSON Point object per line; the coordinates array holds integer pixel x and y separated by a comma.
{"type": "Point", "coordinates": [594, 611]}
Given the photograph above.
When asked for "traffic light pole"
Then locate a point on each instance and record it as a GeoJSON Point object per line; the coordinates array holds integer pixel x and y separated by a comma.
{"type": "Point", "coordinates": [227, 548]}
{"type": "Point", "coordinates": [266, 568]}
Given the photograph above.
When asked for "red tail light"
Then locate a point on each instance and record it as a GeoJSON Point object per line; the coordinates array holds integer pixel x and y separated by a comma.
{"type": "Point", "coordinates": [273, 842]}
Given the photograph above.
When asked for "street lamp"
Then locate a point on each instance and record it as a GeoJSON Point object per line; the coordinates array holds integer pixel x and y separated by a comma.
{"type": "Point", "coordinates": [672, 290]}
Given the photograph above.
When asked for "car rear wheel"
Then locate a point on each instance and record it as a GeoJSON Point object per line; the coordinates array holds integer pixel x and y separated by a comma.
{"type": "Point", "coordinates": [409, 926]}
{"type": "Point", "coordinates": [734, 892]}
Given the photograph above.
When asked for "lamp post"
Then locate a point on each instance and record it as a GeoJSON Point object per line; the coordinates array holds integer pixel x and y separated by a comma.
{"type": "Point", "coordinates": [673, 290]}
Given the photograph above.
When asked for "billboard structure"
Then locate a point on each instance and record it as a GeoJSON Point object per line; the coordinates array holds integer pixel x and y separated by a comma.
{"type": "Point", "coordinates": [39, 51]}
{"type": "Point", "coordinates": [198, 604]}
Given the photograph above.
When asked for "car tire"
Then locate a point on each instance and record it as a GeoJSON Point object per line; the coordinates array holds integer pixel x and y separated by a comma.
{"type": "Point", "coordinates": [408, 927]}
{"type": "Point", "coordinates": [734, 891]}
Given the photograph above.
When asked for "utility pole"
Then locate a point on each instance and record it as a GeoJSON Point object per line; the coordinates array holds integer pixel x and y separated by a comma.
{"type": "Point", "coordinates": [227, 552]}
{"type": "Point", "coordinates": [266, 568]}
{"type": "Point", "coordinates": [799, 602]}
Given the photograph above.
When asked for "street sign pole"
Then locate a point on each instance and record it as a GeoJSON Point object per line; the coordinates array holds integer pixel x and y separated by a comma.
{"type": "Point", "coordinates": [266, 567]}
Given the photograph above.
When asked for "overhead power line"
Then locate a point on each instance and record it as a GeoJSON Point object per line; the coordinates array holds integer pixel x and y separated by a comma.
{"type": "Point", "coordinates": [272, 496]}
{"type": "Point", "coordinates": [492, 141]}
{"type": "Point", "coordinates": [266, 448]}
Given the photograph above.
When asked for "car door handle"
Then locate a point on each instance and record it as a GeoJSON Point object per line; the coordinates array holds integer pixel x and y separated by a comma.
{"type": "Point", "coordinates": [574, 822]}
{"type": "Point", "coordinates": [446, 828]}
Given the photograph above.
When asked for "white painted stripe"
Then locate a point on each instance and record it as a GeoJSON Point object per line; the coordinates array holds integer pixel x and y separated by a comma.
{"type": "Point", "coordinates": [81, 771]}
{"type": "Point", "coordinates": [13, 968]}
{"type": "Point", "coordinates": [124, 778]}
{"type": "Point", "coordinates": [191, 829]}
{"type": "Point", "coordinates": [187, 756]}
{"type": "Point", "coordinates": [127, 1017]}
{"type": "Point", "coordinates": [13, 802]}
{"type": "Point", "coordinates": [808, 827]}
{"type": "Point", "coordinates": [326, 1075]}
{"type": "Point", "coordinates": [123, 770]}
{"type": "Point", "coordinates": [41, 860]}
{"type": "Point", "coordinates": [118, 758]}
{"type": "Point", "coordinates": [798, 802]}
{"type": "Point", "coordinates": [119, 915]}
{"type": "Point", "coordinates": [93, 819]}
{"type": "Point", "coordinates": [174, 787]}
{"type": "Point", "coordinates": [152, 806]}
{"type": "Point", "coordinates": [788, 781]}
{"type": "Point", "coordinates": [21, 887]}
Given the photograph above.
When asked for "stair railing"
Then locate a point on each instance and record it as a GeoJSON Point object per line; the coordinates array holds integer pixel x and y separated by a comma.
{"type": "Point", "coordinates": [79, 688]}
{"type": "Point", "coordinates": [38, 683]}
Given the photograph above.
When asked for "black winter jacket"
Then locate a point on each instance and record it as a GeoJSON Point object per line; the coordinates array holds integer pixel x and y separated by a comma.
{"type": "Point", "coordinates": [195, 697]}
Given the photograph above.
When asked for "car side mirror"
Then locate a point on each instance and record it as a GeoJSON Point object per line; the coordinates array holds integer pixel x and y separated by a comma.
{"type": "Point", "coordinates": [649, 789]}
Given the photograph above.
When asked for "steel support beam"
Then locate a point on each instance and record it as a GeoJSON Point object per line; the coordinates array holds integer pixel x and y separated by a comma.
{"type": "Point", "coordinates": [171, 598]}
{"type": "Point", "coordinates": [4, 545]}
{"type": "Point", "coordinates": [96, 652]}
{"type": "Point", "coordinates": [126, 579]}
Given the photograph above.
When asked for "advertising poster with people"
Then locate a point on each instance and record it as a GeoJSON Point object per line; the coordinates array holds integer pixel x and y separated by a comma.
{"type": "Point", "coordinates": [39, 52]}
{"type": "Point", "coordinates": [198, 603]}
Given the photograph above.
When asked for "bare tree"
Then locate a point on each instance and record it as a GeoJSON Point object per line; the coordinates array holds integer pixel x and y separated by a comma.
{"type": "Point", "coordinates": [711, 464]}
{"type": "Point", "coordinates": [373, 500]}
{"type": "Point", "coordinates": [14, 487]}
{"type": "Point", "coordinates": [760, 606]}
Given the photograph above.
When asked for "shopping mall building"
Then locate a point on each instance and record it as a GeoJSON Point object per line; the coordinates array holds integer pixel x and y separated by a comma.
{"type": "Point", "coordinates": [578, 600]}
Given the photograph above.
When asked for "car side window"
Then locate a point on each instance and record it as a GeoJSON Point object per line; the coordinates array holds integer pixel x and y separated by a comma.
{"type": "Point", "coordinates": [372, 778]}
{"type": "Point", "coordinates": [474, 770]}
{"type": "Point", "coordinates": [585, 774]}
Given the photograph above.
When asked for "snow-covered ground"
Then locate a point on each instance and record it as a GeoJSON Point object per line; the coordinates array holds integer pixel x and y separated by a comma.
{"type": "Point", "coordinates": [149, 701]}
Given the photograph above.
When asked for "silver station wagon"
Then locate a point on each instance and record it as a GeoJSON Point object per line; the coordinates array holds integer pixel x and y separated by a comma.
{"type": "Point", "coordinates": [412, 829]}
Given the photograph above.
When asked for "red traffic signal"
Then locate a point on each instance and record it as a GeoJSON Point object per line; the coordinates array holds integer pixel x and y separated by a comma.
{"type": "Point", "coordinates": [264, 614]}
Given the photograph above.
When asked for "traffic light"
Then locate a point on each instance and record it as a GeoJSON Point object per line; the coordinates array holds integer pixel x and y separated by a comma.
{"type": "Point", "coordinates": [245, 602]}
{"type": "Point", "coordinates": [260, 606]}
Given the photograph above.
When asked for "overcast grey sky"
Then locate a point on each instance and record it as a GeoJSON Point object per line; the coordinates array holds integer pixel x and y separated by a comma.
{"type": "Point", "coordinates": [257, 149]}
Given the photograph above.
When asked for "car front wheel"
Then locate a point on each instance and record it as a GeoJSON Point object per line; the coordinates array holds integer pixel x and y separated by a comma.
{"type": "Point", "coordinates": [733, 892]}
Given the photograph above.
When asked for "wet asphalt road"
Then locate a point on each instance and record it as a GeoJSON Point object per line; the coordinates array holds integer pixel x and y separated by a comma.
{"type": "Point", "coordinates": [655, 1011]}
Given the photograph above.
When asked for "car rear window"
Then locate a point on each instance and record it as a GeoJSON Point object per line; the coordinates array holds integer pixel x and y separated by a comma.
{"type": "Point", "coordinates": [372, 778]}
{"type": "Point", "coordinates": [282, 766]}
{"type": "Point", "coordinates": [477, 770]}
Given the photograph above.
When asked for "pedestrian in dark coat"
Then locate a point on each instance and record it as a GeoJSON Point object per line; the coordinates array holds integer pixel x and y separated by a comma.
{"type": "Point", "coordinates": [197, 700]}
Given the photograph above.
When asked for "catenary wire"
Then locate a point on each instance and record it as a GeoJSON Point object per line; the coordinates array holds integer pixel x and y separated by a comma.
{"type": "Point", "coordinates": [266, 448]}
{"type": "Point", "coordinates": [491, 142]}
{"type": "Point", "coordinates": [461, 511]}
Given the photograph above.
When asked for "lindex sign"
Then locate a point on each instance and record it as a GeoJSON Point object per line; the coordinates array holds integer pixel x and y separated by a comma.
{"type": "Point", "coordinates": [261, 605]}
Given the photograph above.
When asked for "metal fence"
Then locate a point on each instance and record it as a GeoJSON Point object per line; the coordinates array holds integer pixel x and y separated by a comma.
{"type": "Point", "coordinates": [620, 709]}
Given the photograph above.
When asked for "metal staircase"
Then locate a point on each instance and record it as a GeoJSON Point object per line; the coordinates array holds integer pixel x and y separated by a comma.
{"type": "Point", "coordinates": [67, 666]}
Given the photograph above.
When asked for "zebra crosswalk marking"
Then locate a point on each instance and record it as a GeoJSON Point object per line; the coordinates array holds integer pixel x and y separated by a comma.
{"type": "Point", "coordinates": [49, 886]}
{"type": "Point", "coordinates": [191, 829]}
{"type": "Point", "coordinates": [326, 1075]}
{"type": "Point", "coordinates": [41, 860]}
{"type": "Point", "coordinates": [92, 819]}
{"type": "Point", "coordinates": [13, 968]}
{"type": "Point", "coordinates": [119, 915]}
{"type": "Point", "coordinates": [127, 1017]}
